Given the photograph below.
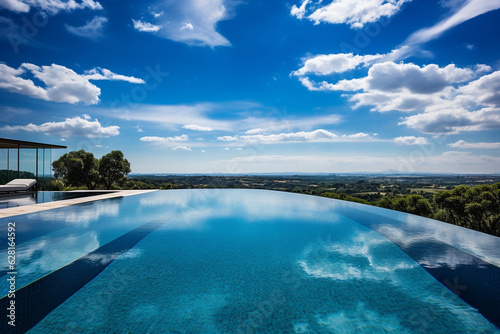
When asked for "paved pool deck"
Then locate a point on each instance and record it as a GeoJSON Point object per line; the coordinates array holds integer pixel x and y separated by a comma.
{"type": "Point", "coordinates": [21, 210]}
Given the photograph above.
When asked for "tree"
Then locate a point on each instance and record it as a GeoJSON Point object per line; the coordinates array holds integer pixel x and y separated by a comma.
{"type": "Point", "coordinates": [477, 208]}
{"type": "Point", "coordinates": [77, 168]}
{"type": "Point", "coordinates": [113, 167]}
{"type": "Point", "coordinates": [415, 204]}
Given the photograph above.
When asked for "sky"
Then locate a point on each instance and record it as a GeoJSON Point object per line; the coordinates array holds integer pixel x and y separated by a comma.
{"type": "Point", "coordinates": [232, 86]}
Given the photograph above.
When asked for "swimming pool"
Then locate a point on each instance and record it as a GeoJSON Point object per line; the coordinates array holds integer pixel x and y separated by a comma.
{"type": "Point", "coordinates": [226, 261]}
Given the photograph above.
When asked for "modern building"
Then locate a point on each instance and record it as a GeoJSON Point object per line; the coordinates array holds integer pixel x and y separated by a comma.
{"type": "Point", "coordinates": [26, 160]}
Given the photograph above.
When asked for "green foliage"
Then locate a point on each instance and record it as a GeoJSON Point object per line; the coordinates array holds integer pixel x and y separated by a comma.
{"type": "Point", "coordinates": [81, 170]}
{"type": "Point", "coordinates": [78, 168]}
{"type": "Point", "coordinates": [75, 188]}
{"type": "Point", "coordinates": [477, 208]}
{"type": "Point", "coordinates": [113, 167]}
{"type": "Point", "coordinates": [415, 204]}
{"type": "Point", "coordinates": [56, 185]}
{"type": "Point", "coordinates": [345, 197]}
{"type": "Point", "coordinates": [136, 185]}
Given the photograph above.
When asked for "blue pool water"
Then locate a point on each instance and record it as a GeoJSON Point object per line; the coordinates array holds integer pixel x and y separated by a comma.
{"type": "Point", "coordinates": [248, 261]}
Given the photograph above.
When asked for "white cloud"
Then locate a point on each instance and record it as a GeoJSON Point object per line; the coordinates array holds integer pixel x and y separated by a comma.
{"type": "Point", "coordinates": [359, 135]}
{"type": "Point", "coordinates": [356, 13]}
{"type": "Point", "coordinates": [157, 14]}
{"type": "Point", "coordinates": [155, 139]}
{"type": "Point", "coordinates": [454, 121]}
{"type": "Point", "coordinates": [316, 136]}
{"type": "Point", "coordinates": [467, 11]}
{"type": "Point", "coordinates": [71, 127]}
{"type": "Point", "coordinates": [334, 63]}
{"type": "Point", "coordinates": [195, 127]}
{"type": "Point", "coordinates": [299, 12]}
{"type": "Point", "coordinates": [187, 25]}
{"type": "Point", "coordinates": [181, 148]}
{"type": "Point", "coordinates": [254, 131]}
{"type": "Point", "coordinates": [472, 107]}
{"type": "Point", "coordinates": [145, 26]}
{"type": "Point", "coordinates": [92, 29]}
{"type": "Point", "coordinates": [15, 6]}
{"type": "Point", "coordinates": [104, 74]}
{"type": "Point", "coordinates": [397, 77]}
{"type": "Point", "coordinates": [450, 99]}
{"type": "Point", "coordinates": [194, 22]}
{"type": "Point", "coordinates": [464, 144]}
{"type": "Point", "coordinates": [50, 6]}
{"type": "Point", "coordinates": [61, 83]}
{"type": "Point", "coordinates": [411, 140]}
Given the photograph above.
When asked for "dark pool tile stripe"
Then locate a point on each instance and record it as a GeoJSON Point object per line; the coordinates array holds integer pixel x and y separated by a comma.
{"type": "Point", "coordinates": [37, 299]}
{"type": "Point", "coordinates": [474, 280]}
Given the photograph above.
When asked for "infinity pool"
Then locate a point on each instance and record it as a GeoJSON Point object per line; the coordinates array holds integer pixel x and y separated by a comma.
{"type": "Point", "coordinates": [247, 261]}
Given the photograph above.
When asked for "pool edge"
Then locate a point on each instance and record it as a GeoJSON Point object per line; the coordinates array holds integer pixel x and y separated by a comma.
{"type": "Point", "coordinates": [21, 210]}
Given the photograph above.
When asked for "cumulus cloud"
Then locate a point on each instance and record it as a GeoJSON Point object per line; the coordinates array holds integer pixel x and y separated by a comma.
{"type": "Point", "coordinates": [454, 121]}
{"type": "Point", "coordinates": [51, 7]}
{"type": "Point", "coordinates": [410, 140]}
{"type": "Point", "coordinates": [356, 13]}
{"type": "Point", "coordinates": [195, 127]}
{"type": "Point", "coordinates": [193, 22]}
{"type": "Point", "coordinates": [92, 29]}
{"type": "Point", "coordinates": [450, 99]}
{"type": "Point", "coordinates": [397, 77]}
{"type": "Point", "coordinates": [472, 107]}
{"type": "Point", "coordinates": [61, 83]}
{"type": "Point", "coordinates": [464, 144]}
{"type": "Point", "coordinates": [181, 148]}
{"type": "Point", "coordinates": [319, 135]}
{"type": "Point", "coordinates": [155, 139]}
{"type": "Point", "coordinates": [145, 26]}
{"type": "Point", "coordinates": [71, 127]}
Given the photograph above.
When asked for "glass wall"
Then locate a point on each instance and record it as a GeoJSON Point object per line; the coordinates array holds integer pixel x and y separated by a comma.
{"type": "Point", "coordinates": [47, 167]}
{"type": "Point", "coordinates": [12, 170]}
{"type": "Point", "coordinates": [4, 165]}
{"type": "Point", "coordinates": [26, 163]}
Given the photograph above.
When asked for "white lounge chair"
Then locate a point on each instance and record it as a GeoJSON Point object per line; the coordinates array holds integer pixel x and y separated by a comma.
{"type": "Point", "coordinates": [18, 185]}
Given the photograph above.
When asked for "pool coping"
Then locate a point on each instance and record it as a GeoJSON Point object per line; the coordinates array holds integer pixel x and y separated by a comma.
{"type": "Point", "coordinates": [21, 210]}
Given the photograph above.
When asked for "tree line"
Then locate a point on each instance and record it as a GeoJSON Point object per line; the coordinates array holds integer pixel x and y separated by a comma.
{"type": "Point", "coordinates": [477, 208]}
{"type": "Point", "coordinates": [81, 168]}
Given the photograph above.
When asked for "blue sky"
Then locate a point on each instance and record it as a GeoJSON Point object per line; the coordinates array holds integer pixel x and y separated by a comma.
{"type": "Point", "coordinates": [227, 86]}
